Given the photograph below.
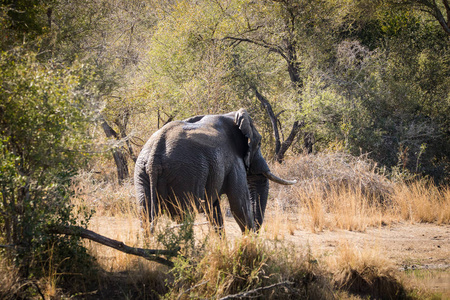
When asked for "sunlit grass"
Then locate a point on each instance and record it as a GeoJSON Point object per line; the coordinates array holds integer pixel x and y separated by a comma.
{"type": "Point", "coordinates": [422, 201]}
{"type": "Point", "coordinates": [335, 192]}
{"type": "Point", "coordinates": [364, 271]}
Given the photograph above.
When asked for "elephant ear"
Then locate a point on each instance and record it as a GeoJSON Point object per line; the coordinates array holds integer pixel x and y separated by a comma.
{"type": "Point", "coordinates": [244, 122]}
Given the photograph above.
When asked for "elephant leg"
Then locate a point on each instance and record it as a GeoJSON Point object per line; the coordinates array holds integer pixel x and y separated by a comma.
{"type": "Point", "coordinates": [217, 216]}
{"type": "Point", "coordinates": [214, 214]}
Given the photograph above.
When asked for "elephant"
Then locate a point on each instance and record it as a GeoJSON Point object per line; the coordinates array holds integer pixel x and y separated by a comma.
{"type": "Point", "coordinates": [193, 162]}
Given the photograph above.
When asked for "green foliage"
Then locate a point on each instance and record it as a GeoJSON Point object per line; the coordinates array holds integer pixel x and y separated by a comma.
{"type": "Point", "coordinates": [383, 100]}
{"type": "Point", "coordinates": [188, 65]}
{"type": "Point", "coordinates": [42, 136]}
{"type": "Point", "coordinates": [22, 20]}
{"type": "Point", "coordinates": [179, 240]}
{"type": "Point", "coordinates": [372, 77]}
{"type": "Point", "coordinates": [219, 268]}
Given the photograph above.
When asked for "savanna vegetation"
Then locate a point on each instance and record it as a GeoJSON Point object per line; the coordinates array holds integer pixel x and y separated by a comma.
{"type": "Point", "coordinates": [352, 99]}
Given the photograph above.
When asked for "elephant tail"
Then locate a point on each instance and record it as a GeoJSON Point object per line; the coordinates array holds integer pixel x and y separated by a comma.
{"type": "Point", "coordinates": [142, 187]}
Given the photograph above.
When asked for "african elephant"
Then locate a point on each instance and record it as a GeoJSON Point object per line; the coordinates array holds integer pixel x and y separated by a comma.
{"type": "Point", "coordinates": [197, 160]}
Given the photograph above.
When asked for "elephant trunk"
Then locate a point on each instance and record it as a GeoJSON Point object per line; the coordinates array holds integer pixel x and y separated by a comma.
{"type": "Point", "coordinates": [259, 191]}
{"type": "Point", "coordinates": [277, 179]}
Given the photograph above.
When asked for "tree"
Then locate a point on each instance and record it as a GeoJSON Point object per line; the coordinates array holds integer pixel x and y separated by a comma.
{"type": "Point", "coordinates": [42, 139]}
{"type": "Point", "coordinates": [223, 54]}
{"type": "Point", "coordinates": [109, 36]}
{"type": "Point", "coordinates": [22, 20]}
{"type": "Point", "coordinates": [273, 25]}
{"type": "Point", "coordinates": [440, 10]}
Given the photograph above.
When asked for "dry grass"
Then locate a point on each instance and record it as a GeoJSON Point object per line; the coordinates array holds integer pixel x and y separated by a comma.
{"type": "Point", "coordinates": [338, 191]}
{"type": "Point", "coordinates": [224, 268]}
{"type": "Point", "coordinates": [328, 171]}
{"type": "Point", "coordinates": [335, 191]}
{"type": "Point", "coordinates": [422, 201]}
{"type": "Point", "coordinates": [10, 282]}
{"type": "Point", "coordinates": [365, 271]}
{"type": "Point", "coordinates": [428, 284]}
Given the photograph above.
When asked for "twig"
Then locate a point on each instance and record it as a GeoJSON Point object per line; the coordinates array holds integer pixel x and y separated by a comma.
{"type": "Point", "coordinates": [191, 288]}
{"type": "Point", "coordinates": [195, 224]}
{"type": "Point", "coordinates": [8, 246]}
{"type": "Point", "coordinates": [39, 290]}
{"type": "Point", "coordinates": [149, 254]}
{"type": "Point", "coordinates": [260, 289]}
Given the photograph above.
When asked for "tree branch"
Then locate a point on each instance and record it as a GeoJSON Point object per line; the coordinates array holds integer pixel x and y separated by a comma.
{"type": "Point", "coordinates": [148, 254]}
{"type": "Point", "coordinates": [447, 10]}
{"type": "Point", "coordinates": [280, 148]}
{"type": "Point", "coordinates": [109, 131]}
{"type": "Point", "coordinates": [260, 289]}
{"type": "Point", "coordinates": [288, 142]}
{"type": "Point", "coordinates": [445, 24]}
{"type": "Point", "coordinates": [273, 118]}
{"type": "Point", "coordinates": [272, 48]}
{"type": "Point", "coordinates": [432, 8]}
{"type": "Point", "coordinates": [118, 153]}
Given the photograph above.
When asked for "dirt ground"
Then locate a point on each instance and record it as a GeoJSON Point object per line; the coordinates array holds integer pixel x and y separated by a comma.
{"type": "Point", "coordinates": [408, 245]}
{"type": "Point", "coordinates": [411, 247]}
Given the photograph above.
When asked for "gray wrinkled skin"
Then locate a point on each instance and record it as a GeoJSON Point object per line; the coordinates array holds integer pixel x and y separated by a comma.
{"type": "Point", "coordinates": [194, 161]}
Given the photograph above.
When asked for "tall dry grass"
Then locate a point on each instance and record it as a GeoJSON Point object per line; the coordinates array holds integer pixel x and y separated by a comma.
{"type": "Point", "coordinates": [10, 281]}
{"type": "Point", "coordinates": [339, 191]}
{"type": "Point", "coordinates": [365, 271]}
{"type": "Point", "coordinates": [421, 201]}
{"type": "Point", "coordinates": [335, 191]}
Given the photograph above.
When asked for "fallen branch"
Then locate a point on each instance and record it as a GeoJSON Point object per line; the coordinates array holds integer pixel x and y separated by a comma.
{"type": "Point", "coordinates": [149, 254]}
{"type": "Point", "coordinates": [260, 289]}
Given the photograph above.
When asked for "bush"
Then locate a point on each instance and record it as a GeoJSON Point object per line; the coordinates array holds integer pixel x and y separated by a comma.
{"type": "Point", "coordinates": [42, 133]}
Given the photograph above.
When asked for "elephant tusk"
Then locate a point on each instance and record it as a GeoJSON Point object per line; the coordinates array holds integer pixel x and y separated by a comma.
{"type": "Point", "coordinates": [277, 179]}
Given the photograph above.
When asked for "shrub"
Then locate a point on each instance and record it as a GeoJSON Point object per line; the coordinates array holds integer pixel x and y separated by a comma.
{"type": "Point", "coordinates": [42, 133]}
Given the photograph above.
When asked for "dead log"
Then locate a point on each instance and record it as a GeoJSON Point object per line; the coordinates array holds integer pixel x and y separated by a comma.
{"type": "Point", "coordinates": [149, 254]}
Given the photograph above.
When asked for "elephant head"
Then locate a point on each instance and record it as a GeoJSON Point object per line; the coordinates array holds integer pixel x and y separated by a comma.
{"type": "Point", "coordinates": [258, 171]}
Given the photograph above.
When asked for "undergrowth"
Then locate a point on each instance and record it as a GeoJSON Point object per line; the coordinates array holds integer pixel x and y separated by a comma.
{"type": "Point", "coordinates": [335, 191]}
{"type": "Point", "coordinates": [340, 191]}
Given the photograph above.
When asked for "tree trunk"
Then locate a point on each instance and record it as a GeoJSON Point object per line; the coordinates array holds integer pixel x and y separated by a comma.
{"type": "Point", "coordinates": [121, 164]}
{"type": "Point", "coordinates": [280, 148]}
{"type": "Point", "coordinates": [288, 142]}
{"type": "Point", "coordinates": [122, 121]}
{"type": "Point", "coordinates": [308, 142]}
{"type": "Point", "coordinates": [273, 118]}
{"type": "Point", "coordinates": [118, 153]}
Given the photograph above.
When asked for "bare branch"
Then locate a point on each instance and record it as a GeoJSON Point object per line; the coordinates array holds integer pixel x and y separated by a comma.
{"type": "Point", "coordinates": [260, 289]}
{"type": "Point", "coordinates": [288, 142]}
{"type": "Point", "coordinates": [149, 254]}
{"type": "Point", "coordinates": [272, 117]}
{"type": "Point", "coordinates": [272, 48]}
{"type": "Point", "coordinates": [190, 289]}
{"type": "Point", "coordinates": [8, 246]}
